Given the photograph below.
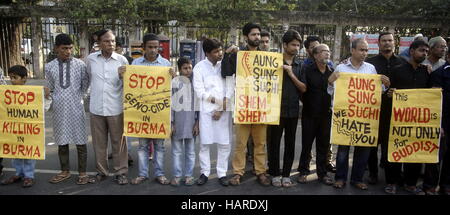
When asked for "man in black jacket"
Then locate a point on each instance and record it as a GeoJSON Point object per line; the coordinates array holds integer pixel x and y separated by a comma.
{"type": "Point", "coordinates": [384, 62]}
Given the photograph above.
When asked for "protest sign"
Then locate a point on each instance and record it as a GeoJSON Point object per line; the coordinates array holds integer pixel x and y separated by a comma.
{"type": "Point", "coordinates": [415, 126]}
{"type": "Point", "coordinates": [22, 133]}
{"type": "Point", "coordinates": [147, 101]}
{"type": "Point", "coordinates": [259, 81]}
{"type": "Point", "coordinates": [356, 110]}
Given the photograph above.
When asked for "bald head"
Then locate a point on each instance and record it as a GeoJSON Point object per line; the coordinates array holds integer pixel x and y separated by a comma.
{"type": "Point", "coordinates": [321, 53]}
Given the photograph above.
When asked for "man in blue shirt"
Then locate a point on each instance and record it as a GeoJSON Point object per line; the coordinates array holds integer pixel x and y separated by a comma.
{"type": "Point", "coordinates": [151, 58]}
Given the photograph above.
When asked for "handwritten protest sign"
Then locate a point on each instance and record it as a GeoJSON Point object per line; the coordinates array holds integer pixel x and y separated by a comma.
{"type": "Point", "coordinates": [147, 92]}
{"type": "Point", "coordinates": [415, 126]}
{"type": "Point", "coordinates": [22, 133]}
{"type": "Point", "coordinates": [259, 80]}
{"type": "Point", "coordinates": [356, 110]}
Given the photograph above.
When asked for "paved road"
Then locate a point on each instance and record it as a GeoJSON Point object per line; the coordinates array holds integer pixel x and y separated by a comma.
{"type": "Point", "coordinates": [47, 168]}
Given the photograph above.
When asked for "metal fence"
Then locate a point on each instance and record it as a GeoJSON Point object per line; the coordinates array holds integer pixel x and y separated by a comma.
{"type": "Point", "coordinates": [50, 27]}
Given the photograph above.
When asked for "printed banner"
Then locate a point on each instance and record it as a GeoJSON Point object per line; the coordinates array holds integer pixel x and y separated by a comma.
{"type": "Point", "coordinates": [372, 41]}
{"type": "Point", "coordinates": [259, 81]}
{"type": "Point", "coordinates": [415, 126]}
{"type": "Point", "coordinates": [356, 110]}
{"type": "Point", "coordinates": [22, 113]}
{"type": "Point", "coordinates": [146, 102]}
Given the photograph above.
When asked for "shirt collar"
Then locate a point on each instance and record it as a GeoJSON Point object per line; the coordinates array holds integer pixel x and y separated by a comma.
{"type": "Point", "coordinates": [349, 63]}
{"type": "Point", "coordinates": [158, 59]}
{"type": "Point", "coordinates": [210, 63]}
{"type": "Point", "coordinates": [65, 61]}
{"type": "Point", "coordinates": [114, 55]}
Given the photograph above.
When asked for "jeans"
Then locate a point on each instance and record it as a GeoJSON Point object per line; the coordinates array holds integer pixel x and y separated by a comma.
{"type": "Point", "coordinates": [143, 154]}
{"type": "Point", "coordinates": [177, 156]}
{"type": "Point", "coordinates": [129, 140]}
{"type": "Point", "coordinates": [24, 167]}
{"type": "Point", "coordinates": [360, 158]}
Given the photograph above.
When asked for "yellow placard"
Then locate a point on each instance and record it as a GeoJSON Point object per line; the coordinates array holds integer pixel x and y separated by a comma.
{"type": "Point", "coordinates": [356, 110]}
{"type": "Point", "coordinates": [22, 133]}
{"type": "Point", "coordinates": [146, 102]}
{"type": "Point", "coordinates": [415, 129]}
{"type": "Point", "coordinates": [259, 82]}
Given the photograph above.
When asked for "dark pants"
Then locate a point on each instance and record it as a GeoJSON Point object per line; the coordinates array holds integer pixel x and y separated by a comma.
{"type": "Point", "coordinates": [318, 129]}
{"type": "Point", "coordinates": [360, 157]}
{"type": "Point", "coordinates": [411, 172]}
{"type": "Point", "coordinates": [383, 139]}
{"type": "Point", "coordinates": [445, 173]}
{"type": "Point", "coordinates": [289, 126]}
{"type": "Point", "coordinates": [63, 152]}
{"type": "Point", "coordinates": [1, 166]}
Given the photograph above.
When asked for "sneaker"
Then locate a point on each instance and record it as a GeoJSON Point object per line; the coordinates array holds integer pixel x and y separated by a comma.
{"type": "Point", "coordinates": [138, 180]}
{"type": "Point", "coordinates": [223, 181]}
{"type": "Point", "coordinates": [202, 180]}
{"type": "Point", "coordinates": [263, 179]}
{"type": "Point", "coordinates": [175, 181]}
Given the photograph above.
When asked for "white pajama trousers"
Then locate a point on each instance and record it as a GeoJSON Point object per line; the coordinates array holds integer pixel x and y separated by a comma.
{"type": "Point", "coordinates": [223, 153]}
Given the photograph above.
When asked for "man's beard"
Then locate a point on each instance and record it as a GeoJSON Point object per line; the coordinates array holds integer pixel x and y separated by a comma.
{"type": "Point", "coordinates": [254, 43]}
{"type": "Point", "coordinates": [387, 51]}
{"type": "Point", "coordinates": [419, 59]}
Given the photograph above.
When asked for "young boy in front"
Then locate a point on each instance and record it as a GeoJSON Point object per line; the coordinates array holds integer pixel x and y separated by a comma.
{"type": "Point", "coordinates": [184, 124]}
{"type": "Point", "coordinates": [24, 167]}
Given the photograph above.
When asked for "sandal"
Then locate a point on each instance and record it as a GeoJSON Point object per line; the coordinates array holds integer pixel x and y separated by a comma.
{"type": "Point", "coordinates": [59, 177]}
{"type": "Point", "coordinates": [360, 185]}
{"type": "Point", "coordinates": [138, 180]}
{"type": "Point", "coordinates": [391, 189]}
{"type": "Point", "coordinates": [276, 181]}
{"type": "Point", "coordinates": [97, 178]}
{"type": "Point", "coordinates": [414, 190]}
{"type": "Point", "coordinates": [263, 179]}
{"type": "Point", "coordinates": [189, 181]}
{"type": "Point", "coordinates": [162, 180]}
{"type": "Point", "coordinates": [302, 179]}
{"type": "Point", "coordinates": [27, 182]}
{"type": "Point", "coordinates": [339, 184]}
{"type": "Point", "coordinates": [121, 179]}
{"type": "Point", "coordinates": [12, 180]}
{"type": "Point", "coordinates": [235, 180]}
{"type": "Point", "coordinates": [83, 179]}
{"type": "Point", "coordinates": [175, 181]}
{"type": "Point", "coordinates": [286, 181]}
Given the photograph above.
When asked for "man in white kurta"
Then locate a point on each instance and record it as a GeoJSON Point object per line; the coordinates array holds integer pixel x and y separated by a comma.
{"type": "Point", "coordinates": [215, 123]}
